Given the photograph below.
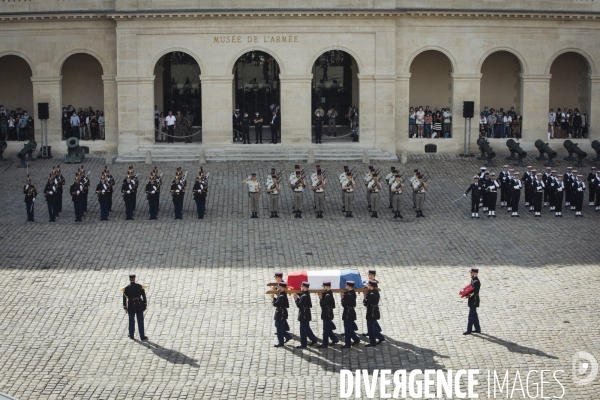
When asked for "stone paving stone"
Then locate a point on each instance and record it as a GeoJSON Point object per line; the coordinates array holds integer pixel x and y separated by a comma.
{"type": "Point", "coordinates": [63, 333]}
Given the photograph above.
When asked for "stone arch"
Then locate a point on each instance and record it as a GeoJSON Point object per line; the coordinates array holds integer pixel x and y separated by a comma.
{"type": "Point", "coordinates": [569, 83]}
{"type": "Point", "coordinates": [236, 57]}
{"type": "Point", "coordinates": [105, 66]}
{"type": "Point", "coordinates": [519, 56]}
{"type": "Point", "coordinates": [164, 52]}
{"type": "Point", "coordinates": [16, 81]}
{"type": "Point", "coordinates": [428, 48]}
{"type": "Point", "coordinates": [19, 54]}
{"type": "Point", "coordinates": [354, 55]}
{"type": "Point", "coordinates": [586, 56]}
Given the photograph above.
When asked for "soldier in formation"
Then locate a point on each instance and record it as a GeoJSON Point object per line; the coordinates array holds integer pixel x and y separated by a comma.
{"type": "Point", "coordinates": [30, 192]}
{"type": "Point", "coordinates": [273, 190]}
{"type": "Point", "coordinates": [200, 191]}
{"type": "Point", "coordinates": [178, 185]}
{"type": "Point", "coordinates": [253, 193]}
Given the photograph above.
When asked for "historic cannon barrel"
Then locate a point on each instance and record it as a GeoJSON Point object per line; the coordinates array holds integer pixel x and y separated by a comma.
{"type": "Point", "coordinates": [572, 148]}
{"type": "Point", "coordinates": [75, 152]}
{"type": "Point", "coordinates": [596, 147]}
{"type": "Point", "coordinates": [27, 149]}
{"type": "Point", "coordinates": [515, 148]}
{"type": "Point", "coordinates": [3, 147]}
{"type": "Point", "coordinates": [544, 148]}
{"type": "Point", "coordinates": [487, 153]}
{"type": "Point", "coordinates": [73, 145]}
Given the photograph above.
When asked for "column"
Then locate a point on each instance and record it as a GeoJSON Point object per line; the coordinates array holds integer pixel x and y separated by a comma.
{"type": "Point", "coordinates": [111, 126]}
{"type": "Point", "coordinates": [128, 111]}
{"type": "Point", "coordinates": [385, 123]}
{"type": "Point", "coordinates": [465, 87]}
{"type": "Point", "coordinates": [296, 113]}
{"type": "Point", "coordinates": [535, 100]}
{"type": "Point", "coordinates": [366, 109]}
{"type": "Point", "coordinates": [49, 90]}
{"type": "Point", "coordinates": [402, 108]}
{"type": "Point", "coordinates": [594, 106]}
{"type": "Point", "coordinates": [217, 103]}
{"type": "Point", "coordinates": [145, 115]}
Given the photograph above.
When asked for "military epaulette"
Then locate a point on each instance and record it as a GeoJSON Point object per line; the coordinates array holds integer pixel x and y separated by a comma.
{"type": "Point", "coordinates": [123, 289]}
{"type": "Point", "coordinates": [145, 287]}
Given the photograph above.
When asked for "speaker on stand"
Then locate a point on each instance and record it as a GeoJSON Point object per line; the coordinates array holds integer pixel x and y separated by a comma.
{"type": "Point", "coordinates": [43, 116]}
{"type": "Point", "coordinates": [468, 111]}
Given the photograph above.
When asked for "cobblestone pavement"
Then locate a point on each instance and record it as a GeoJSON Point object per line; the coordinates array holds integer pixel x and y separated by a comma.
{"type": "Point", "coordinates": [63, 333]}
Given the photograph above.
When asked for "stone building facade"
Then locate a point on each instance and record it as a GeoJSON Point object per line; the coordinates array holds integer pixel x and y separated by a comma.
{"type": "Point", "coordinates": [532, 55]}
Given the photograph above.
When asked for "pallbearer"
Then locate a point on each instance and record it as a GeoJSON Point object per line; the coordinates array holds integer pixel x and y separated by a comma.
{"type": "Point", "coordinates": [349, 315]}
{"type": "Point", "coordinates": [279, 278]}
{"type": "Point", "coordinates": [76, 191]}
{"type": "Point", "coordinates": [473, 303]}
{"type": "Point", "coordinates": [281, 305]}
{"type": "Point", "coordinates": [371, 302]}
{"type": "Point", "coordinates": [304, 304]}
{"type": "Point", "coordinates": [30, 192]}
{"type": "Point", "coordinates": [327, 305]}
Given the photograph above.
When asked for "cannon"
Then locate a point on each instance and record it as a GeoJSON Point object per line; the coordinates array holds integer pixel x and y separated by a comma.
{"type": "Point", "coordinates": [75, 153]}
{"type": "Point", "coordinates": [3, 147]}
{"type": "Point", "coordinates": [573, 148]}
{"type": "Point", "coordinates": [596, 147]}
{"type": "Point", "coordinates": [544, 148]}
{"type": "Point", "coordinates": [515, 148]}
{"type": "Point", "coordinates": [27, 150]}
{"type": "Point", "coordinates": [486, 152]}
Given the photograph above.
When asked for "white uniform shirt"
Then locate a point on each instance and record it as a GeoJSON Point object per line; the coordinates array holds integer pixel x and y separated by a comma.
{"type": "Point", "coordinates": [315, 182]}
{"type": "Point", "coordinates": [293, 182]}
{"type": "Point", "coordinates": [373, 185]}
{"type": "Point", "coordinates": [416, 185]}
{"type": "Point", "coordinates": [270, 185]}
{"type": "Point", "coordinates": [396, 185]}
{"type": "Point", "coordinates": [345, 185]}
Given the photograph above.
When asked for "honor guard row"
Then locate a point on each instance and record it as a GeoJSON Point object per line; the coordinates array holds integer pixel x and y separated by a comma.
{"type": "Point", "coordinates": [53, 192]}
{"type": "Point", "coordinates": [541, 190]}
{"type": "Point", "coordinates": [327, 303]}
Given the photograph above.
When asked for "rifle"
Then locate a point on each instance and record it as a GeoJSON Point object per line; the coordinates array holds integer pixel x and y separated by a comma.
{"type": "Point", "coordinates": [158, 179]}
{"type": "Point", "coordinates": [182, 180]}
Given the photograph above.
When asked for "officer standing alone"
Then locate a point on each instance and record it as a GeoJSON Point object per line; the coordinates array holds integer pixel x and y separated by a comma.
{"type": "Point", "coordinates": [135, 303]}
{"type": "Point", "coordinates": [473, 303]}
{"type": "Point", "coordinates": [253, 192]}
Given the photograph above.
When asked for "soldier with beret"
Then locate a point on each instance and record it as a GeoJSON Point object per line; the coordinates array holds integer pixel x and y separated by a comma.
{"type": "Point", "coordinates": [281, 305]}
{"type": "Point", "coordinates": [304, 304]}
{"type": "Point", "coordinates": [135, 303]}
{"type": "Point", "coordinates": [327, 305]}
{"type": "Point", "coordinates": [349, 316]}
{"type": "Point", "coordinates": [473, 302]}
{"type": "Point", "coordinates": [371, 301]}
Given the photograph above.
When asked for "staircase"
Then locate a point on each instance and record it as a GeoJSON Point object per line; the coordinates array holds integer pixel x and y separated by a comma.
{"type": "Point", "coordinates": [175, 152]}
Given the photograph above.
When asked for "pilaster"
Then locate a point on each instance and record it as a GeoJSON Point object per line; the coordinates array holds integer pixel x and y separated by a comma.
{"type": "Point", "coordinates": [535, 100]}
{"type": "Point", "coordinates": [465, 87]}
{"type": "Point", "coordinates": [296, 113]}
{"type": "Point", "coordinates": [111, 126]}
{"type": "Point", "coordinates": [49, 90]}
{"type": "Point", "coordinates": [217, 103]}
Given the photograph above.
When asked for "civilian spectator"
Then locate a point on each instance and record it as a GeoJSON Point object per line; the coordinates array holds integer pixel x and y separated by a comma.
{"type": "Point", "coordinates": [162, 128]}
{"type": "Point", "coordinates": [420, 121]}
{"type": "Point", "coordinates": [101, 125]}
{"type": "Point", "coordinates": [437, 125]}
{"type": "Point", "coordinates": [427, 122]}
{"type": "Point", "coordinates": [491, 123]}
{"type": "Point", "coordinates": [551, 122]}
{"type": "Point", "coordinates": [412, 126]}
{"type": "Point", "coordinates": [447, 121]}
{"type": "Point", "coordinates": [506, 120]}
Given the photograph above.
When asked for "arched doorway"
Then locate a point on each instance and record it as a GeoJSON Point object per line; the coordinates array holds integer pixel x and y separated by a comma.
{"type": "Point", "coordinates": [431, 90]}
{"type": "Point", "coordinates": [335, 93]}
{"type": "Point", "coordinates": [16, 98]}
{"type": "Point", "coordinates": [177, 89]}
{"type": "Point", "coordinates": [500, 95]}
{"type": "Point", "coordinates": [256, 89]}
{"type": "Point", "coordinates": [83, 93]}
{"type": "Point", "coordinates": [569, 92]}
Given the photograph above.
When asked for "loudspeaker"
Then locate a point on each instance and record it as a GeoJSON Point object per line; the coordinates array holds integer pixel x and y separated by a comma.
{"type": "Point", "coordinates": [468, 109]}
{"type": "Point", "coordinates": [43, 112]}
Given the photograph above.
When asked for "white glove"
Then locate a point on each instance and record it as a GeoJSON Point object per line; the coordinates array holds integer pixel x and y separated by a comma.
{"type": "Point", "coordinates": [580, 190]}
{"type": "Point", "coordinates": [152, 192]}
{"type": "Point", "coordinates": [50, 192]}
{"type": "Point", "coordinates": [177, 191]}
{"type": "Point", "coordinates": [129, 191]}
{"type": "Point", "coordinates": [34, 199]}
{"type": "Point", "coordinates": [103, 191]}
{"type": "Point", "coordinates": [78, 192]}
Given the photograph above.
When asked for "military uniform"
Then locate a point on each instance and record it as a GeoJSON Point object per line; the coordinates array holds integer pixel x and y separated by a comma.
{"type": "Point", "coordinates": [188, 121]}
{"type": "Point", "coordinates": [76, 191]}
{"type": "Point", "coordinates": [389, 179]}
{"type": "Point", "coordinates": [545, 178]}
{"type": "Point", "coordinates": [318, 128]}
{"type": "Point", "coordinates": [178, 193]}
{"type": "Point", "coordinates": [128, 191]}
{"type": "Point", "coordinates": [253, 193]}
{"type": "Point", "coordinates": [236, 120]}
{"type": "Point", "coordinates": [327, 305]}
{"type": "Point", "coordinates": [135, 303]}
{"type": "Point", "coordinates": [281, 305]}
{"type": "Point", "coordinates": [419, 188]}
{"type": "Point", "coordinates": [367, 179]}
{"type": "Point", "coordinates": [516, 185]}
{"type": "Point", "coordinates": [273, 190]}
{"type": "Point", "coordinates": [474, 188]}
{"type": "Point", "coordinates": [371, 302]}
{"type": "Point", "coordinates": [559, 191]}
{"type": "Point", "coordinates": [491, 188]}
{"type": "Point", "coordinates": [258, 127]}
{"type": "Point", "coordinates": [297, 185]}
{"type": "Point", "coordinates": [504, 178]}
{"type": "Point", "coordinates": [304, 304]}
{"type": "Point", "coordinates": [152, 194]}
{"type": "Point", "coordinates": [245, 125]}
{"type": "Point", "coordinates": [348, 186]}
{"type": "Point", "coordinates": [30, 192]}
{"type": "Point", "coordinates": [374, 187]}
{"type": "Point", "coordinates": [349, 316]}
{"type": "Point", "coordinates": [103, 191]}
{"type": "Point", "coordinates": [538, 194]}
{"type": "Point", "coordinates": [396, 188]}
{"type": "Point", "coordinates": [591, 179]}
{"type": "Point", "coordinates": [200, 190]}
{"type": "Point", "coordinates": [473, 303]}
{"type": "Point", "coordinates": [578, 189]}
{"type": "Point", "coordinates": [318, 187]}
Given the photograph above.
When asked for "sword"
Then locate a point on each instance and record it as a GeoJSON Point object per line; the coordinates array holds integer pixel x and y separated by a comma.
{"type": "Point", "coordinates": [461, 197]}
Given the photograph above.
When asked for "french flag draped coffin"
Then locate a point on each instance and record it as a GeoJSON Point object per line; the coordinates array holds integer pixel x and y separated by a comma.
{"type": "Point", "coordinates": [337, 277]}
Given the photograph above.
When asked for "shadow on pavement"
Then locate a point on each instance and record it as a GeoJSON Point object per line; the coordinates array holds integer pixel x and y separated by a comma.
{"type": "Point", "coordinates": [172, 356]}
{"type": "Point", "coordinates": [514, 347]}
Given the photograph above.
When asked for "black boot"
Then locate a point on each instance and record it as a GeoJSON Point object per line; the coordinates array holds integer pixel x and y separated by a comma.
{"type": "Point", "coordinates": [276, 215]}
{"type": "Point", "coordinates": [395, 214]}
{"type": "Point", "coordinates": [421, 212]}
{"type": "Point", "coordinates": [418, 214]}
{"type": "Point", "coordinates": [376, 216]}
{"type": "Point", "coordinates": [299, 214]}
{"type": "Point", "coordinates": [272, 215]}
{"type": "Point", "coordinates": [351, 216]}
{"type": "Point", "coordinates": [347, 214]}
{"type": "Point", "coordinates": [373, 214]}
{"type": "Point", "coordinates": [400, 215]}
{"type": "Point", "coordinates": [296, 214]}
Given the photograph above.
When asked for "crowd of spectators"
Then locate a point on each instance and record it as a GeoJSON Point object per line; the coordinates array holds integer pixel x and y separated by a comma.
{"type": "Point", "coordinates": [427, 123]}
{"type": "Point", "coordinates": [84, 124]}
{"type": "Point", "coordinates": [496, 123]}
{"type": "Point", "coordinates": [567, 123]}
{"type": "Point", "coordinates": [16, 125]}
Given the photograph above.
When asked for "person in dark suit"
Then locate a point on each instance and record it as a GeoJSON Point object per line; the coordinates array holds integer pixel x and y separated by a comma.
{"type": "Point", "coordinates": [258, 121]}
{"type": "Point", "coordinates": [237, 125]}
{"type": "Point", "coordinates": [318, 127]}
{"type": "Point", "coordinates": [245, 124]}
{"type": "Point", "coordinates": [275, 122]}
{"type": "Point", "coordinates": [349, 316]}
{"type": "Point", "coordinates": [474, 189]}
{"type": "Point", "coordinates": [473, 303]}
{"type": "Point", "coordinates": [371, 301]}
{"type": "Point", "coordinates": [304, 304]}
{"type": "Point", "coordinates": [327, 305]}
{"type": "Point", "coordinates": [135, 303]}
{"type": "Point", "coordinates": [281, 305]}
